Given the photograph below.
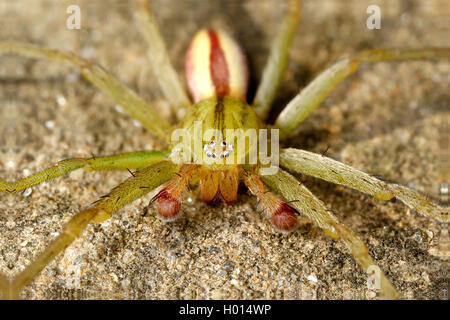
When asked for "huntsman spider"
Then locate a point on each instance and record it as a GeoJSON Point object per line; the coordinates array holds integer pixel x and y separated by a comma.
{"type": "Point", "coordinates": [219, 150]}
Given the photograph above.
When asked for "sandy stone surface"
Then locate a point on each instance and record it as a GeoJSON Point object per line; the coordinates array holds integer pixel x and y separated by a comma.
{"type": "Point", "coordinates": [389, 119]}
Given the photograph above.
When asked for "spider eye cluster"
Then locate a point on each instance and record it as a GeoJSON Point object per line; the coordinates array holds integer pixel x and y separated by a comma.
{"type": "Point", "coordinates": [216, 150]}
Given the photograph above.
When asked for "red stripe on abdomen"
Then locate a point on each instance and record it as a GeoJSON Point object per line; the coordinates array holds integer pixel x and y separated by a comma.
{"type": "Point", "coordinates": [218, 66]}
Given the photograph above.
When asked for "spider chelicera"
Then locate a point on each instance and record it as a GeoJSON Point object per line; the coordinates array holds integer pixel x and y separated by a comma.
{"type": "Point", "coordinates": [217, 79]}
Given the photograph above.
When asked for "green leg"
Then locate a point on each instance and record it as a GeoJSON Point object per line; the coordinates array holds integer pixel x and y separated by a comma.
{"type": "Point", "coordinates": [316, 165]}
{"type": "Point", "coordinates": [314, 93]}
{"type": "Point", "coordinates": [159, 58]}
{"type": "Point", "coordinates": [306, 203]}
{"type": "Point", "coordinates": [277, 60]}
{"type": "Point", "coordinates": [132, 160]}
{"type": "Point", "coordinates": [127, 98]}
{"type": "Point", "coordinates": [133, 188]}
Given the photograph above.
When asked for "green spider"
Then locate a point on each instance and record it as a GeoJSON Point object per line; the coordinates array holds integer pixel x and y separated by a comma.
{"type": "Point", "coordinates": [217, 79]}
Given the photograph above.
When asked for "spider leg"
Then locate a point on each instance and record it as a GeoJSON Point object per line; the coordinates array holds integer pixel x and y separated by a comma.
{"type": "Point", "coordinates": [307, 204]}
{"type": "Point", "coordinates": [318, 166]}
{"type": "Point", "coordinates": [277, 60]}
{"type": "Point", "coordinates": [167, 201]}
{"type": "Point", "coordinates": [301, 106]}
{"type": "Point", "coordinates": [281, 215]}
{"type": "Point", "coordinates": [124, 161]}
{"type": "Point", "coordinates": [124, 96]}
{"type": "Point", "coordinates": [131, 189]}
{"type": "Point", "coordinates": [168, 79]}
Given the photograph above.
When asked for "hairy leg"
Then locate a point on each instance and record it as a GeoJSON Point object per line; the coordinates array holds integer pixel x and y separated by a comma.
{"type": "Point", "coordinates": [306, 203]}
{"type": "Point", "coordinates": [167, 77]}
{"type": "Point", "coordinates": [282, 217]}
{"type": "Point", "coordinates": [124, 161]}
{"type": "Point", "coordinates": [318, 166]}
{"type": "Point", "coordinates": [124, 96]}
{"type": "Point", "coordinates": [299, 108]}
{"type": "Point", "coordinates": [131, 189]}
{"type": "Point", "coordinates": [277, 60]}
{"type": "Point", "coordinates": [167, 201]}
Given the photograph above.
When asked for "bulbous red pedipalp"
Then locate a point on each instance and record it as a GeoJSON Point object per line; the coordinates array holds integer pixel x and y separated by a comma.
{"type": "Point", "coordinates": [284, 219]}
{"type": "Point", "coordinates": [167, 207]}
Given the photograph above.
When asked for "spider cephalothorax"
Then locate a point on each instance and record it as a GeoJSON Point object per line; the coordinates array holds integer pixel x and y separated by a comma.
{"type": "Point", "coordinates": [222, 140]}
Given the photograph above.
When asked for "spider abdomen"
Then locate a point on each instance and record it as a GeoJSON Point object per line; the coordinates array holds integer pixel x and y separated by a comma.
{"type": "Point", "coordinates": [215, 66]}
